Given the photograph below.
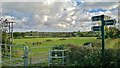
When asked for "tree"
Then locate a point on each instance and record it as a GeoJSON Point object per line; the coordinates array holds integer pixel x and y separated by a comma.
{"type": "Point", "coordinates": [4, 37]}
{"type": "Point", "coordinates": [23, 34]}
{"type": "Point", "coordinates": [112, 32]}
{"type": "Point", "coordinates": [16, 34]}
{"type": "Point", "coordinates": [4, 40]}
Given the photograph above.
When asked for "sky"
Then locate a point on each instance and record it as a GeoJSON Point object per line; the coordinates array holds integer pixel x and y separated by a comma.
{"type": "Point", "coordinates": [56, 15]}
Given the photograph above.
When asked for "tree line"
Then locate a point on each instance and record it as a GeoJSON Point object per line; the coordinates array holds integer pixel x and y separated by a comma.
{"type": "Point", "coordinates": [109, 33]}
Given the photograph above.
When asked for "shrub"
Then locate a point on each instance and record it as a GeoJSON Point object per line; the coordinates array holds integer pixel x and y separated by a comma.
{"type": "Point", "coordinates": [91, 56]}
{"type": "Point", "coordinates": [62, 39]}
{"type": "Point", "coordinates": [48, 40]}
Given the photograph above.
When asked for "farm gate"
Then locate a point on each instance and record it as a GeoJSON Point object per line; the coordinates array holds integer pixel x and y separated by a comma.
{"type": "Point", "coordinates": [14, 55]}
{"type": "Point", "coordinates": [47, 56]}
{"type": "Point", "coordinates": [58, 56]}
{"type": "Point", "coordinates": [21, 55]}
{"type": "Point", "coordinates": [39, 55]}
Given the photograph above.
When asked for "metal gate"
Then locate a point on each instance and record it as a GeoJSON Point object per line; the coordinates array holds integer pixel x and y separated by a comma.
{"type": "Point", "coordinates": [14, 55]}
{"type": "Point", "coordinates": [39, 55]}
{"type": "Point", "coordinates": [58, 55]}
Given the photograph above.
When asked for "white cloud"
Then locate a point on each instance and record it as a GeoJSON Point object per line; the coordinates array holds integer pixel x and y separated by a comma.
{"type": "Point", "coordinates": [63, 25]}
{"type": "Point", "coordinates": [25, 19]}
{"type": "Point", "coordinates": [68, 19]}
{"type": "Point", "coordinates": [54, 15]}
{"type": "Point", "coordinates": [101, 0]}
{"type": "Point", "coordinates": [9, 18]}
{"type": "Point", "coordinates": [48, 1]}
{"type": "Point", "coordinates": [94, 5]}
{"type": "Point", "coordinates": [73, 22]}
{"type": "Point", "coordinates": [45, 18]}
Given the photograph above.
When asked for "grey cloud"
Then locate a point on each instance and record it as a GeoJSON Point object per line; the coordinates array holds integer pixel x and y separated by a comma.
{"type": "Point", "coordinates": [94, 5]}
{"type": "Point", "coordinates": [56, 13]}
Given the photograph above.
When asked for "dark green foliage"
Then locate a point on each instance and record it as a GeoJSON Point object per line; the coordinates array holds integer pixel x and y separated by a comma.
{"type": "Point", "coordinates": [4, 37]}
{"type": "Point", "coordinates": [112, 33]}
{"type": "Point", "coordinates": [60, 47]}
{"type": "Point", "coordinates": [57, 53]}
{"type": "Point", "coordinates": [62, 39]}
{"type": "Point", "coordinates": [48, 40]}
{"type": "Point", "coordinates": [16, 34]}
{"type": "Point", "coordinates": [83, 56]}
{"type": "Point", "coordinates": [19, 35]}
{"type": "Point", "coordinates": [91, 56]}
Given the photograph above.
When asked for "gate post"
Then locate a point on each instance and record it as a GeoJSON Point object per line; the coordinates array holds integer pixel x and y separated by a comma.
{"type": "Point", "coordinates": [26, 51]}
{"type": "Point", "coordinates": [0, 44]}
{"type": "Point", "coordinates": [0, 57]}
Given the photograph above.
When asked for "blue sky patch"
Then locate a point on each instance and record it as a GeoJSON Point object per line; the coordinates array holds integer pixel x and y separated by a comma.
{"type": "Point", "coordinates": [97, 10]}
{"type": "Point", "coordinates": [17, 14]}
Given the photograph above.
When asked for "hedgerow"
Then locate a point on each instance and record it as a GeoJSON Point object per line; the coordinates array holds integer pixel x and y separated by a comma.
{"type": "Point", "coordinates": [84, 56]}
{"type": "Point", "coordinates": [92, 56]}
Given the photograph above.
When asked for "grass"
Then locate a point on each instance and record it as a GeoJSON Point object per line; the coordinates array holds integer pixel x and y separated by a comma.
{"type": "Point", "coordinates": [73, 40]}
{"type": "Point", "coordinates": [112, 43]}
{"type": "Point", "coordinates": [22, 41]}
{"type": "Point", "coordinates": [55, 41]}
{"type": "Point", "coordinates": [39, 52]}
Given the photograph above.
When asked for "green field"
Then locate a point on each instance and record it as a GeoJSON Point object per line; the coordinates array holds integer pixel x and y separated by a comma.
{"type": "Point", "coordinates": [54, 41]}
{"type": "Point", "coordinates": [73, 40]}
{"type": "Point", "coordinates": [46, 45]}
{"type": "Point", "coordinates": [39, 52]}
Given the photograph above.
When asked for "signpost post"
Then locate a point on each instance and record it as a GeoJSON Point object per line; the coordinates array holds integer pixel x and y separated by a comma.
{"type": "Point", "coordinates": [103, 41]}
{"type": "Point", "coordinates": [104, 22]}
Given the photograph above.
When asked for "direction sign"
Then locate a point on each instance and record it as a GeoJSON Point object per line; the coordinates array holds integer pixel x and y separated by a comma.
{"type": "Point", "coordinates": [100, 17]}
{"type": "Point", "coordinates": [96, 28]}
{"type": "Point", "coordinates": [106, 17]}
{"type": "Point", "coordinates": [97, 18]}
{"type": "Point", "coordinates": [105, 20]}
{"type": "Point", "coordinates": [110, 22]}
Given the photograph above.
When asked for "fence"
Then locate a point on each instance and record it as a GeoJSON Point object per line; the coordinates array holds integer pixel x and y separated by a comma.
{"type": "Point", "coordinates": [39, 55]}
{"type": "Point", "coordinates": [56, 55]}
{"type": "Point", "coordinates": [14, 55]}
{"type": "Point", "coordinates": [20, 55]}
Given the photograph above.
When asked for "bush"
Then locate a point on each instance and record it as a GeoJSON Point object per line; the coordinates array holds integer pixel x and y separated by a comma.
{"type": "Point", "coordinates": [48, 40]}
{"type": "Point", "coordinates": [62, 39]}
{"type": "Point", "coordinates": [91, 56]}
{"type": "Point", "coordinates": [19, 37]}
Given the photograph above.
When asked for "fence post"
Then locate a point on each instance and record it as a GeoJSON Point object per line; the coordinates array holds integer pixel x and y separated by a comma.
{"type": "Point", "coordinates": [63, 57]}
{"type": "Point", "coordinates": [10, 54]}
{"type": "Point", "coordinates": [0, 44]}
{"type": "Point", "coordinates": [26, 51]}
{"type": "Point", "coordinates": [30, 52]}
{"type": "Point", "coordinates": [49, 57]}
{"type": "Point", "coordinates": [0, 57]}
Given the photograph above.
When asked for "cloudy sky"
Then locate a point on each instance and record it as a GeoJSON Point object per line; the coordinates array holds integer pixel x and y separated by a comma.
{"type": "Point", "coordinates": [56, 15]}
